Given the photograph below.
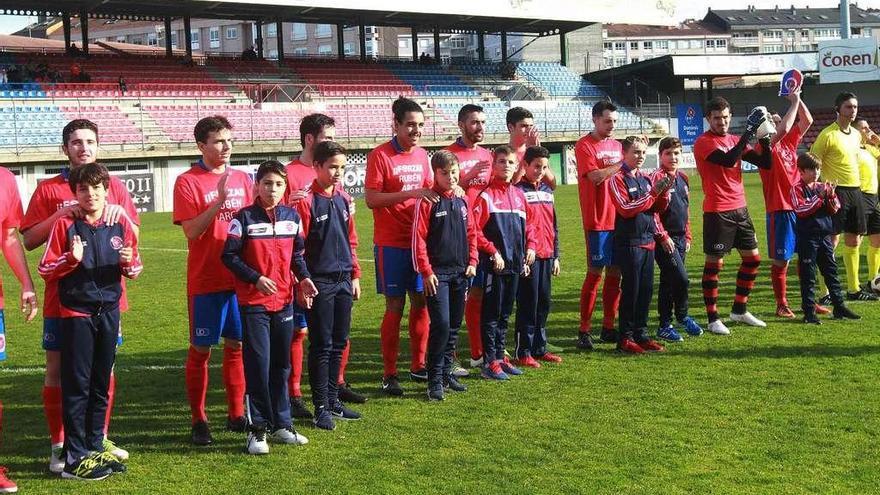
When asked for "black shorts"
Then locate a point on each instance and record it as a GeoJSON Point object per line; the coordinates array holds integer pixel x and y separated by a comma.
{"type": "Point", "coordinates": [727, 230]}
{"type": "Point", "coordinates": [872, 213]}
{"type": "Point", "coordinates": [850, 218]}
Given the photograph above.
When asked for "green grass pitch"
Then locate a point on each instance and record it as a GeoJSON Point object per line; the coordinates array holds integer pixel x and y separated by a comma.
{"type": "Point", "coordinates": [789, 408]}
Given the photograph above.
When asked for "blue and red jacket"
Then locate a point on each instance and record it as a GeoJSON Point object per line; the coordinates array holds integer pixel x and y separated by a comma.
{"type": "Point", "coordinates": [813, 211]}
{"type": "Point", "coordinates": [542, 216]}
{"type": "Point", "coordinates": [330, 235]}
{"type": "Point", "coordinates": [443, 237]}
{"type": "Point", "coordinates": [501, 213]}
{"type": "Point", "coordinates": [268, 243]}
{"type": "Point", "coordinates": [93, 284]}
{"type": "Point", "coordinates": [675, 219]}
{"type": "Point", "coordinates": [637, 222]}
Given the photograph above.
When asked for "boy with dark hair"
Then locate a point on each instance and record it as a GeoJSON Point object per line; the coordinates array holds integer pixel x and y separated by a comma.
{"type": "Point", "coordinates": [87, 258]}
{"type": "Point", "coordinates": [445, 254]}
{"type": "Point", "coordinates": [331, 263]}
{"type": "Point", "coordinates": [206, 198]}
{"type": "Point", "coordinates": [533, 293]}
{"type": "Point", "coordinates": [524, 133]}
{"type": "Point", "coordinates": [815, 204]}
{"type": "Point", "coordinates": [505, 240]}
{"type": "Point", "coordinates": [264, 247]}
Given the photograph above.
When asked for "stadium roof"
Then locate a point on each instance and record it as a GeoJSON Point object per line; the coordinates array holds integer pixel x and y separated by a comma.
{"type": "Point", "coordinates": [515, 16]}
{"type": "Point", "coordinates": [788, 16]}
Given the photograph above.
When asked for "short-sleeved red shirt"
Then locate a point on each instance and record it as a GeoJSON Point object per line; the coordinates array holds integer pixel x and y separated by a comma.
{"type": "Point", "coordinates": [783, 173]}
{"type": "Point", "coordinates": [467, 158]}
{"type": "Point", "coordinates": [10, 208]}
{"type": "Point", "coordinates": [194, 192]}
{"type": "Point", "coordinates": [722, 186]}
{"type": "Point", "coordinates": [390, 169]}
{"type": "Point", "coordinates": [597, 210]}
{"type": "Point", "coordinates": [299, 177]}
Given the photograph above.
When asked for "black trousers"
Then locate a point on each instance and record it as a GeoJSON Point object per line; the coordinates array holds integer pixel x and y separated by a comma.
{"type": "Point", "coordinates": [672, 293]}
{"type": "Point", "coordinates": [266, 356]}
{"type": "Point", "coordinates": [636, 290]}
{"type": "Point", "coordinates": [329, 322]}
{"type": "Point", "coordinates": [499, 293]}
{"type": "Point", "coordinates": [88, 351]}
{"type": "Point", "coordinates": [446, 310]}
{"type": "Point", "coordinates": [817, 250]}
{"type": "Point", "coordinates": [532, 309]}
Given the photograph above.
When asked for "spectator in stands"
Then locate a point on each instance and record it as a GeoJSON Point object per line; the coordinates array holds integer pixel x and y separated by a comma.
{"type": "Point", "coordinates": [123, 87]}
{"type": "Point", "coordinates": [3, 79]}
{"type": "Point", "coordinates": [74, 50]}
{"type": "Point", "coordinates": [249, 54]}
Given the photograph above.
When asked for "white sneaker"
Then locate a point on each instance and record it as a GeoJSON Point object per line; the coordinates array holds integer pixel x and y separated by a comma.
{"type": "Point", "coordinates": [56, 461]}
{"type": "Point", "coordinates": [288, 436]}
{"type": "Point", "coordinates": [115, 450]}
{"type": "Point", "coordinates": [477, 363]}
{"type": "Point", "coordinates": [718, 328]}
{"type": "Point", "coordinates": [748, 319]}
{"type": "Point", "coordinates": [459, 371]}
{"type": "Point", "coordinates": [256, 442]}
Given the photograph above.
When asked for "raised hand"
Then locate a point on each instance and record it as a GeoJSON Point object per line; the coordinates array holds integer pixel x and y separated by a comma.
{"type": "Point", "coordinates": [77, 248]}
{"type": "Point", "coordinates": [126, 255]}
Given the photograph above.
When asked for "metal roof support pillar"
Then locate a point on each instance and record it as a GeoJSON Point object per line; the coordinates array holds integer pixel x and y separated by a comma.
{"type": "Point", "coordinates": [415, 44]}
{"type": "Point", "coordinates": [481, 46]}
{"type": "Point", "coordinates": [436, 45]}
{"type": "Point", "coordinates": [168, 49]}
{"type": "Point", "coordinates": [259, 27]}
{"type": "Point", "coordinates": [504, 46]}
{"type": "Point", "coordinates": [188, 37]}
{"type": "Point", "coordinates": [563, 48]}
{"type": "Point", "coordinates": [362, 35]}
{"type": "Point", "coordinates": [65, 20]}
{"type": "Point", "coordinates": [84, 30]}
{"type": "Point", "coordinates": [340, 41]}
{"type": "Point", "coordinates": [279, 41]}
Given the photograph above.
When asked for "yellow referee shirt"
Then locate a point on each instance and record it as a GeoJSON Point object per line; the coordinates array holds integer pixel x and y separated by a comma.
{"type": "Point", "coordinates": [839, 152]}
{"type": "Point", "coordinates": [868, 168]}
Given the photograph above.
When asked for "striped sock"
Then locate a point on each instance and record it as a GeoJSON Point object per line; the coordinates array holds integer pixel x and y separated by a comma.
{"type": "Point", "coordinates": [711, 270]}
{"type": "Point", "coordinates": [745, 281]}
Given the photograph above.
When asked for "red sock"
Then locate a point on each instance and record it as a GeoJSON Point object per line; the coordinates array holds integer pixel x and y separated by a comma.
{"type": "Point", "coordinates": [745, 281]}
{"type": "Point", "coordinates": [111, 395]}
{"type": "Point", "coordinates": [389, 337]}
{"type": "Point", "coordinates": [419, 324]}
{"type": "Point", "coordinates": [710, 288]}
{"type": "Point", "coordinates": [343, 363]}
{"type": "Point", "coordinates": [197, 382]}
{"type": "Point", "coordinates": [610, 299]}
{"type": "Point", "coordinates": [589, 290]}
{"type": "Point", "coordinates": [233, 379]}
{"type": "Point", "coordinates": [472, 309]}
{"type": "Point", "coordinates": [296, 364]}
{"type": "Point", "coordinates": [52, 409]}
{"type": "Point", "coordinates": [777, 277]}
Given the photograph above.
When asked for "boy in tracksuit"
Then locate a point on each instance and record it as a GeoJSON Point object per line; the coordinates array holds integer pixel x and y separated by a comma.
{"type": "Point", "coordinates": [88, 258]}
{"type": "Point", "coordinates": [444, 248]}
{"type": "Point", "coordinates": [506, 244]}
{"type": "Point", "coordinates": [331, 242]}
{"type": "Point", "coordinates": [636, 201]}
{"type": "Point", "coordinates": [672, 294]}
{"type": "Point", "coordinates": [533, 294]}
{"type": "Point", "coordinates": [264, 246]}
{"type": "Point", "coordinates": [814, 204]}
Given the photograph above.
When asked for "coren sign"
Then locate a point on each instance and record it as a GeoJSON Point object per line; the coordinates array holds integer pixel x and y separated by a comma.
{"type": "Point", "coordinates": [848, 60]}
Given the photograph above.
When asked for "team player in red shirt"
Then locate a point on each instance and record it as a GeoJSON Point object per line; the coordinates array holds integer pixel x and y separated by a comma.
{"type": "Point", "coordinates": [10, 220]}
{"type": "Point", "coordinates": [599, 157]}
{"type": "Point", "coordinates": [398, 173]}
{"type": "Point", "coordinates": [726, 221]}
{"type": "Point", "coordinates": [475, 164]}
{"type": "Point", "coordinates": [313, 129]}
{"type": "Point", "coordinates": [778, 181]}
{"type": "Point", "coordinates": [524, 134]}
{"type": "Point", "coordinates": [205, 199]}
{"type": "Point", "coordinates": [53, 199]}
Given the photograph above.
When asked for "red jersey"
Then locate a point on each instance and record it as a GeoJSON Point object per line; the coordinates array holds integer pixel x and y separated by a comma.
{"type": "Point", "coordinates": [390, 169]}
{"type": "Point", "coordinates": [194, 192]}
{"type": "Point", "coordinates": [783, 173]}
{"type": "Point", "coordinates": [467, 158]}
{"type": "Point", "coordinates": [54, 194]}
{"type": "Point", "coordinates": [10, 208]}
{"type": "Point", "coordinates": [299, 178]}
{"type": "Point", "coordinates": [597, 210]}
{"type": "Point", "coordinates": [722, 186]}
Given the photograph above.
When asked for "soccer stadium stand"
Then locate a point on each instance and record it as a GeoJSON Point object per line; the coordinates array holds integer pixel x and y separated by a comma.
{"type": "Point", "coordinates": [557, 80]}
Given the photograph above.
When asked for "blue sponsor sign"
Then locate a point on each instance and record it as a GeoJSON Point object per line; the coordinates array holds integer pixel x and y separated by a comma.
{"type": "Point", "coordinates": [690, 122]}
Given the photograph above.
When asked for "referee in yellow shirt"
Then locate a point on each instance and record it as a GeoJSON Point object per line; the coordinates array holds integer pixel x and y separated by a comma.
{"type": "Point", "coordinates": [838, 147]}
{"type": "Point", "coordinates": [867, 158]}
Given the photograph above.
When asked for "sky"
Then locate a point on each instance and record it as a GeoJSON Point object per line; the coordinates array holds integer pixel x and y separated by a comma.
{"type": "Point", "coordinates": [685, 9]}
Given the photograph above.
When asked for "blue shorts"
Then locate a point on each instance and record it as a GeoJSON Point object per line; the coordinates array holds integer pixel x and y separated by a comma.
{"type": "Point", "coordinates": [781, 236]}
{"type": "Point", "coordinates": [52, 334]}
{"type": "Point", "coordinates": [479, 279]}
{"type": "Point", "coordinates": [600, 247]}
{"type": "Point", "coordinates": [395, 275]}
{"type": "Point", "coordinates": [299, 317]}
{"type": "Point", "coordinates": [212, 316]}
{"type": "Point", "coordinates": [2, 336]}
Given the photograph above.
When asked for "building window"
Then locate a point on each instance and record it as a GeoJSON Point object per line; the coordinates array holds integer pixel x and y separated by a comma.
{"type": "Point", "coordinates": [683, 44]}
{"type": "Point", "coordinates": [456, 43]}
{"type": "Point", "coordinates": [232, 33]}
{"type": "Point", "coordinates": [607, 45]}
{"type": "Point", "coordinates": [805, 34]}
{"type": "Point", "coordinates": [214, 37]}
{"type": "Point", "coordinates": [634, 60]}
{"type": "Point", "coordinates": [619, 46]}
{"type": "Point", "coordinates": [196, 39]}
{"type": "Point", "coordinates": [721, 44]}
{"type": "Point", "coordinates": [272, 30]}
{"type": "Point", "coordinates": [299, 31]}
{"type": "Point", "coordinates": [152, 39]}
{"type": "Point", "coordinates": [174, 39]}
{"type": "Point", "coordinates": [710, 44]}
{"type": "Point", "coordinates": [403, 44]}
{"type": "Point", "coordinates": [774, 48]}
{"type": "Point", "coordinates": [661, 45]}
{"type": "Point", "coordinates": [272, 53]}
{"type": "Point", "coordinates": [300, 52]}
{"type": "Point", "coordinates": [618, 61]}
{"type": "Point", "coordinates": [633, 45]}
{"type": "Point", "coordinates": [121, 39]}
{"type": "Point", "coordinates": [609, 62]}
{"type": "Point", "coordinates": [774, 35]}
{"type": "Point", "coordinates": [323, 31]}
{"type": "Point", "coordinates": [325, 50]}
{"type": "Point", "coordinates": [647, 45]}
{"type": "Point", "coordinates": [827, 34]}
{"type": "Point", "coordinates": [696, 44]}
{"type": "Point", "coordinates": [349, 48]}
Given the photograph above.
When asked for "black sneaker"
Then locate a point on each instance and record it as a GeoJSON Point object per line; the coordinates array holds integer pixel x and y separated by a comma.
{"type": "Point", "coordinates": [841, 312]}
{"type": "Point", "coordinates": [861, 295]}
{"type": "Point", "coordinates": [201, 434]}
{"type": "Point", "coordinates": [298, 409]}
{"type": "Point", "coordinates": [391, 386]}
{"type": "Point", "coordinates": [87, 468]}
{"type": "Point", "coordinates": [452, 383]}
{"type": "Point", "coordinates": [812, 320]}
{"type": "Point", "coordinates": [419, 375]}
{"type": "Point", "coordinates": [349, 396]}
{"type": "Point", "coordinates": [825, 300]}
{"type": "Point", "coordinates": [324, 420]}
{"type": "Point", "coordinates": [238, 425]}
{"type": "Point", "coordinates": [436, 394]}
{"type": "Point", "coordinates": [608, 336]}
{"type": "Point", "coordinates": [585, 341]}
{"type": "Point", "coordinates": [339, 411]}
